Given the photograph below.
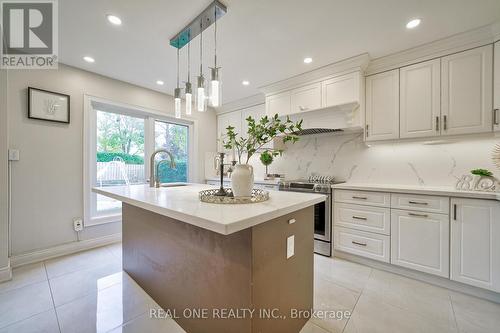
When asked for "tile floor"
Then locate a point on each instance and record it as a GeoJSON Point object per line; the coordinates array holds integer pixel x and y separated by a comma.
{"type": "Point", "coordinates": [87, 292]}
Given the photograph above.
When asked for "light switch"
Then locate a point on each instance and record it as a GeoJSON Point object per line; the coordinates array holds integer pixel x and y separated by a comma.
{"type": "Point", "coordinates": [13, 155]}
{"type": "Point", "coordinates": [290, 246]}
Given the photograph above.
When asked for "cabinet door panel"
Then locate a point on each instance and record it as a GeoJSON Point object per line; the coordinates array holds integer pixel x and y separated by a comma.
{"type": "Point", "coordinates": [475, 246]}
{"type": "Point", "coordinates": [278, 104]}
{"type": "Point", "coordinates": [306, 98]}
{"type": "Point", "coordinates": [382, 106]}
{"type": "Point", "coordinates": [228, 119]}
{"type": "Point", "coordinates": [341, 90]}
{"type": "Point", "coordinates": [466, 88]}
{"type": "Point", "coordinates": [420, 241]}
{"type": "Point", "coordinates": [420, 104]}
{"type": "Point", "coordinates": [256, 112]}
{"type": "Point", "coordinates": [496, 88]}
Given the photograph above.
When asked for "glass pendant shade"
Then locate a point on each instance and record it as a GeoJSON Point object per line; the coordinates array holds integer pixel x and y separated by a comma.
{"type": "Point", "coordinates": [201, 104]}
{"type": "Point", "coordinates": [215, 88]}
{"type": "Point", "coordinates": [177, 102]}
{"type": "Point", "coordinates": [189, 98]}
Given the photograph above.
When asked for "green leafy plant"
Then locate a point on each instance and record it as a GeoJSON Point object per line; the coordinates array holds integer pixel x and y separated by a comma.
{"type": "Point", "coordinates": [482, 172]}
{"type": "Point", "coordinates": [266, 158]}
{"type": "Point", "coordinates": [260, 133]}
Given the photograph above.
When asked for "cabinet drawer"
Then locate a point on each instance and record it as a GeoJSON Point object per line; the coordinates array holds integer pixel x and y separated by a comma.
{"type": "Point", "coordinates": [365, 218]}
{"type": "Point", "coordinates": [366, 244]}
{"type": "Point", "coordinates": [425, 203]}
{"type": "Point", "coordinates": [369, 198]}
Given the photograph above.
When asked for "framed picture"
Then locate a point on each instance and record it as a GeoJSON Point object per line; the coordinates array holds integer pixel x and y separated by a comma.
{"type": "Point", "coordinates": [48, 105]}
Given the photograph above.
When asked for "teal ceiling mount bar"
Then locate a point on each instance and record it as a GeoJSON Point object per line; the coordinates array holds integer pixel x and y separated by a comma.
{"type": "Point", "coordinates": [207, 17]}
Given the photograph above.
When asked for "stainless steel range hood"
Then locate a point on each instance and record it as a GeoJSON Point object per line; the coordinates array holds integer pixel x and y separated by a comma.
{"type": "Point", "coordinates": [338, 119]}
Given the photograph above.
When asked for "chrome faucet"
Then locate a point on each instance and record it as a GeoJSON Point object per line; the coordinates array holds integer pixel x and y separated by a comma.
{"type": "Point", "coordinates": [154, 180]}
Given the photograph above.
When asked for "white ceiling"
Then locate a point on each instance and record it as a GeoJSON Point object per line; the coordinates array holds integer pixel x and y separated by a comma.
{"type": "Point", "coordinates": [262, 41]}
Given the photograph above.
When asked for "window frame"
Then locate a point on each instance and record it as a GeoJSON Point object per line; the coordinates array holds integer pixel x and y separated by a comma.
{"type": "Point", "coordinates": [90, 146]}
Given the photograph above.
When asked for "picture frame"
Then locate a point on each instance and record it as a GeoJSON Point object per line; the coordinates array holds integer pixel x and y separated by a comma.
{"type": "Point", "coordinates": [48, 105]}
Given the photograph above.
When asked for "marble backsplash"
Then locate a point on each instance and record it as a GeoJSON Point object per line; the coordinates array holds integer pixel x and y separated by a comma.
{"type": "Point", "coordinates": [433, 163]}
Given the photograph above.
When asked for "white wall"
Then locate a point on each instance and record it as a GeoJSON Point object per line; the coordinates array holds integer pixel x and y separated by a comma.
{"type": "Point", "coordinates": [410, 163]}
{"type": "Point", "coordinates": [4, 243]}
{"type": "Point", "coordinates": [47, 190]}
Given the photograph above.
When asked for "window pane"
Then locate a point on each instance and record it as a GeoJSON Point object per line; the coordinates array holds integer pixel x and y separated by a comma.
{"type": "Point", "coordinates": [174, 138]}
{"type": "Point", "coordinates": [120, 155]}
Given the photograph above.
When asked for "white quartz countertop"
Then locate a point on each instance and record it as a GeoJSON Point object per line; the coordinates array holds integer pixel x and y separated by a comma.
{"type": "Point", "coordinates": [256, 181]}
{"type": "Point", "coordinates": [182, 203]}
{"type": "Point", "coordinates": [448, 191]}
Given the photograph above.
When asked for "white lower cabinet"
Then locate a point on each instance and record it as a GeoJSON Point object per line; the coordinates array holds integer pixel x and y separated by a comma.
{"type": "Point", "coordinates": [420, 241]}
{"type": "Point", "coordinates": [366, 244]}
{"type": "Point", "coordinates": [475, 242]}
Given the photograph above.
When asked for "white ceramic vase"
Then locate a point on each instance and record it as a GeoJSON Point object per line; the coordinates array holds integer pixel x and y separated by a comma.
{"type": "Point", "coordinates": [242, 180]}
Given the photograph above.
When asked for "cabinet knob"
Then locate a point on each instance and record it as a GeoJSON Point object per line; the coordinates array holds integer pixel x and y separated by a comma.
{"type": "Point", "coordinates": [291, 221]}
{"type": "Point", "coordinates": [303, 108]}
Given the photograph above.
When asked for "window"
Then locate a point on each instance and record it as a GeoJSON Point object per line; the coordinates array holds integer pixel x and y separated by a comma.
{"type": "Point", "coordinates": [119, 141]}
{"type": "Point", "coordinates": [174, 138]}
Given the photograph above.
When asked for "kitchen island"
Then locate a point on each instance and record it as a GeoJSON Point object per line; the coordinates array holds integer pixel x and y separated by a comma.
{"type": "Point", "coordinates": [220, 268]}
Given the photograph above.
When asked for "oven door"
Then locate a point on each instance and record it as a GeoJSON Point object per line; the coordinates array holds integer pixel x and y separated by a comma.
{"type": "Point", "coordinates": [322, 220]}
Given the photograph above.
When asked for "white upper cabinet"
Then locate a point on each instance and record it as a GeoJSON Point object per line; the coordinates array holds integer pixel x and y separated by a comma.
{"type": "Point", "coordinates": [475, 249]}
{"type": "Point", "coordinates": [420, 99]}
{"type": "Point", "coordinates": [341, 90]}
{"type": "Point", "coordinates": [306, 98]}
{"type": "Point", "coordinates": [279, 104]}
{"type": "Point", "coordinates": [382, 106]}
{"type": "Point", "coordinates": [466, 90]}
{"type": "Point", "coordinates": [496, 88]}
{"type": "Point", "coordinates": [228, 119]}
{"type": "Point", "coordinates": [256, 112]}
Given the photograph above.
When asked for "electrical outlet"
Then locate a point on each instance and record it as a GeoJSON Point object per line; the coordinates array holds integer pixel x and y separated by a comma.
{"type": "Point", "coordinates": [13, 154]}
{"type": "Point", "coordinates": [78, 224]}
{"type": "Point", "coordinates": [290, 246]}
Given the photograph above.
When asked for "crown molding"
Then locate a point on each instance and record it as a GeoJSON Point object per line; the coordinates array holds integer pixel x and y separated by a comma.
{"type": "Point", "coordinates": [441, 47]}
{"type": "Point", "coordinates": [241, 103]}
{"type": "Point", "coordinates": [349, 65]}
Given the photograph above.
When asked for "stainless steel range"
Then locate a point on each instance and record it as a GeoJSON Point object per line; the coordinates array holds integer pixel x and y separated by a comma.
{"type": "Point", "coordinates": [322, 211]}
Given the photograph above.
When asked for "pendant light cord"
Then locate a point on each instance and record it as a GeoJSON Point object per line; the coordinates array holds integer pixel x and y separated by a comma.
{"type": "Point", "coordinates": [189, 63]}
{"type": "Point", "coordinates": [215, 36]}
{"type": "Point", "coordinates": [201, 48]}
{"type": "Point", "coordinates": [177, 68]}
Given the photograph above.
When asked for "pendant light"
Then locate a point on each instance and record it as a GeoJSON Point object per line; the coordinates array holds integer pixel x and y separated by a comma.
{"type": "Point", "coordinates": [215, 91]}
{"type": "Point", "coordinates": [200, 101]}
{"type": "Point", "coordinates": [177, 92]}
{"type": "Point", "coordinates": [189, 89]}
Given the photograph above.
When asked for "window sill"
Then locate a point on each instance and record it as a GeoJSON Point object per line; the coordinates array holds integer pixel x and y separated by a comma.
{"type": "Point", "coordinates": [95, 221]}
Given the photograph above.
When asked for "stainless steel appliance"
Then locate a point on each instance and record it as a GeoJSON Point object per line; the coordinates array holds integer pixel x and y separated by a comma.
{"type": "Point", "coordinates": [322, 211]}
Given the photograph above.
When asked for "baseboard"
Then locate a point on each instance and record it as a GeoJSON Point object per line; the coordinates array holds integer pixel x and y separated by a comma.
{"type": "Point", "coordinates": [6, 272]}
{"type": "Point", "coordinates": [435, 280]}
{"type": "Point", "coordinates": [62, 250]}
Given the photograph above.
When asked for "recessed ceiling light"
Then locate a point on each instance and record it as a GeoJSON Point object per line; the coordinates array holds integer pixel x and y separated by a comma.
{"type": "Point", "coordinates": [308, 60]}
{"type": "Point", "coordinates": [88, 59]}
{"type": "Point", "coordinates": [245, 83]}
{"type": "Point", "coordinates": [114, 19]}
{"type": "Point", "coordinates": [413, 23]}
{"type": "Point", "coordinates": [160, 82]}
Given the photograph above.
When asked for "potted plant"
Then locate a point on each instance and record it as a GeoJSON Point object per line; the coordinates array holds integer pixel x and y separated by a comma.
{"type": "Point", "coordinates": [266, 158]}
{"type": "Point", "coordinates": [259, 134]}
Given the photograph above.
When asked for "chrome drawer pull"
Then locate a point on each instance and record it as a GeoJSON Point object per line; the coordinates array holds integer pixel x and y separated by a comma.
{"type": "Point", "coordinates": [418, 203]}
{"type": "Point", "coordinates": [418, 215]}
{"type": "Point", "coordinates": [360, 244]}
{"type": "Point", "coordinates": [359, 218]}
{"type": "Point", "coordinates": [362, 198]}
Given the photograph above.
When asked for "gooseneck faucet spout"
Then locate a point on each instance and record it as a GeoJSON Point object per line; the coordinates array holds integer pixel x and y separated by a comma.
{"type": "Point", "coordinates": [154, 180]}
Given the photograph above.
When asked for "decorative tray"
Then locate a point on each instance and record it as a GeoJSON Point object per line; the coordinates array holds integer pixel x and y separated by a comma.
{"type": "Point", "coordinates": [210, 197]}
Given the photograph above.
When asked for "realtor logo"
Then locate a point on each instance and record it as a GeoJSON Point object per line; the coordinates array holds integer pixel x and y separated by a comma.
{"type": "Point", "coordinates": [29, 34]}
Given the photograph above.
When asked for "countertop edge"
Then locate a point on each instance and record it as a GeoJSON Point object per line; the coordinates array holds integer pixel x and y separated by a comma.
{"type": "Point", "coordinates": [423, 191]}
{"type": "Point", "coordinates": [209, 224]}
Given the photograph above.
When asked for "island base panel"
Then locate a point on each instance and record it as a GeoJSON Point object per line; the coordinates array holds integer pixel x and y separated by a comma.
{"type": "Point", "coordinates": [186, 267]}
